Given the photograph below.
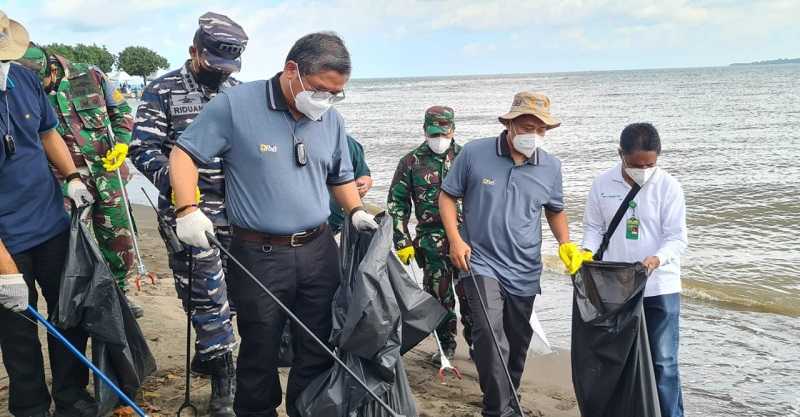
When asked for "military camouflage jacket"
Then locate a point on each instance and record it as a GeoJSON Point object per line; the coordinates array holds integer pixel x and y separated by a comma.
{"type": "Point", "coordinates": [86, 104]}
{"type": "Point", "coordinates": [169, 104]}
{"type": "Point", "coordinates": [418, 179]}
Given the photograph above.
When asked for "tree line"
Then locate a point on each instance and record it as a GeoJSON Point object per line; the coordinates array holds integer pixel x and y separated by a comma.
{"type": "Point", "coordinates": [135, 60]}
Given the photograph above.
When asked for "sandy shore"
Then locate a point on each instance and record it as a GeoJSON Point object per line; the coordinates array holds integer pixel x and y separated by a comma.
{"type": "Point", "coordinates": [546, 388]}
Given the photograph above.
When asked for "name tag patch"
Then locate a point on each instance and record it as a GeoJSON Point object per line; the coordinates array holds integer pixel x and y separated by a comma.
{"type": "Point", "coordinates": [186, 104]}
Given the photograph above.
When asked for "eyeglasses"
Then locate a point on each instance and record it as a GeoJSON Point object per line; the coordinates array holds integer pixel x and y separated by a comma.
{"type": "Point", "coordinates": [328, 96]}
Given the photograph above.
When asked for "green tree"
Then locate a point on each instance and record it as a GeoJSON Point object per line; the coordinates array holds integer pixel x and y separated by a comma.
{"type": "Point", "coordinates": [138, 60]}
{"type": "Point", "coordinates": [95, 55]}
{"type": "Point", "coordinates": [67, 51]}
{"type": "Point", "coordinates": [84, 54]}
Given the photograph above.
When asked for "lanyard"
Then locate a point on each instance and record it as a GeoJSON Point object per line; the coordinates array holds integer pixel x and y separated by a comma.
{"type": "Point", "coordinates": [8, 116]}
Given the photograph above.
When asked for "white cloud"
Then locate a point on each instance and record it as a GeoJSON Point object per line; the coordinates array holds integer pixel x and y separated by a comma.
{"type": "Point", "coordinates": [583, 25]}
{"type": "Point", "coordinates": [478, 49]}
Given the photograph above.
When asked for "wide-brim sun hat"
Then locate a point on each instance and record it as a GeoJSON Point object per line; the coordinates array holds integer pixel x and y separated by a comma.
{"type": "Point", "coordinates": [535, 104]}
{"type": "Point", "coordinates": [13, 38]}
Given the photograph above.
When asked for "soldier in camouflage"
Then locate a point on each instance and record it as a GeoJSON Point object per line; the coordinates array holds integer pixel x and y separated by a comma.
{"type": "Point", "coordinates": [418, 179]}
{"type": "Point", "coordinates": [86, 104]}
{"type": "Point", "coordinates": [169, 104]}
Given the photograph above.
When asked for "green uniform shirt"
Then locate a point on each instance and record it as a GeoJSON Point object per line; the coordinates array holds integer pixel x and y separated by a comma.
{"type": "Point", "coordinates": [360, 169]}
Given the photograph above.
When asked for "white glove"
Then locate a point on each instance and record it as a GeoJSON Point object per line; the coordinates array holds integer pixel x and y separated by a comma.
{"type": "Point", "coordinates": [13, 292]}
{"type": "Point", "coordinates": [77, 192]}
{"type": "Point", "coordinates": [363, 221]}
{"type": "Point", "coordinates": [192, 228]}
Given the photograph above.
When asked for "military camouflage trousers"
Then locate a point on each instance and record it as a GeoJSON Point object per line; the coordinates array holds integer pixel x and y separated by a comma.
{"type": "Point", "coordinates": [211, 312]}
{"type": "Point", "coordinates": [110, 223]}
{"type": "Point", "coordinates": [439, 276]}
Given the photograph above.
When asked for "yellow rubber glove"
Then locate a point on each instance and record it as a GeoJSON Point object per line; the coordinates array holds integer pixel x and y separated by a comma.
{"type": "Point", "coordinates": [196, 196]}
{"type": "Point", "coordinates": [572, 257]}
{"type": "Point", "coordinates": [115, 157]}
{"type": "Point", "coordinates": [406, 254]}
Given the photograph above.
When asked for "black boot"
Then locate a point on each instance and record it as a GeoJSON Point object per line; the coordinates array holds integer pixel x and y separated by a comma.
{"type": "Point", "coordinates": [223, 386]}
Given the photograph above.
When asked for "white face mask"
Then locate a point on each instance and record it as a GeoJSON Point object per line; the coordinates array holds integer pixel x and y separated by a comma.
{"type": "Point", "coordinates": [439, 144]}
{"type": "Point", "coordinates": [528, 143]}
{"type": "Point", "coordinates": [5, 67]}
{"type": "Point", "coordinates": [307, 104]}
{"type": "Point", "coordinates": [641, 175]}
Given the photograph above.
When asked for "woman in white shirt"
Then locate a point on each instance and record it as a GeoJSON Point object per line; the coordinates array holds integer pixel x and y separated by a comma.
{"type": "Point", "coordinates": [652, 231]}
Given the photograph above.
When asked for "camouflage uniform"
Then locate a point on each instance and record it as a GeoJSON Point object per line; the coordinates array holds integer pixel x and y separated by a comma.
{"type": "Point", "coordinates": [418, 179]}
{"type": "Point", "coordinates": [169, 104]}
{"type": "Point", "coordinates": [87, 103]}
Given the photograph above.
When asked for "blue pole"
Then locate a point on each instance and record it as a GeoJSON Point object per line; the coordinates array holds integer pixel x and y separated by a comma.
{"type": "Point", "coordinates": [53, 331]}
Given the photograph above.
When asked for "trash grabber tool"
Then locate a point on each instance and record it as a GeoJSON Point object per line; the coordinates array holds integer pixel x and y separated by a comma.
{"type": "Point", "coordinates": [187, 400]}
{"type": "Point", "coordinates": [497, 345]}
{"type": "Point", "coordinates": [444, 362]}
{"type": "Point", "coordinates": [55, 333]}
{"type": "Point", "coordinates": [213, 240]}
{"type": "Point", "coordinates": [142, 272]}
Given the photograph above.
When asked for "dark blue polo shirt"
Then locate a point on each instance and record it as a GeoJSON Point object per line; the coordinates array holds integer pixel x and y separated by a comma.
{"type": "Point", "coordinates": [503, 205]}
{"type": "Point", "coordinates": [31, 202]}
{"type": "Point", "coordinates": [251, 128]}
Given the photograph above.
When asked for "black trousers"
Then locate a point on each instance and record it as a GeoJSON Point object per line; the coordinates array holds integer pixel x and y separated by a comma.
{"type": "Point", "coordinates": [305, 279]}
{"type": "Point", "coordinates": [22, 352]}
{"type": "Point", "coordinates": [509, 316]}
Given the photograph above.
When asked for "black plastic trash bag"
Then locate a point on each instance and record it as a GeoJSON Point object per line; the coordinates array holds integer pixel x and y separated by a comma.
{"type": "Point", "coordinates": [369, 317]}
{"type": "Point", "coordinates": [90, 298]}
{"type": "Point", "coordinates": [421, 313]}
{"type": "Point", "coordinates": [612, 370]}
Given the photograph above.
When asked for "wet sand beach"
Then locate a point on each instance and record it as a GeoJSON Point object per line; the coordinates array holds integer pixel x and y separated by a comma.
{"type": "Point", "coordinates": [546, 388]}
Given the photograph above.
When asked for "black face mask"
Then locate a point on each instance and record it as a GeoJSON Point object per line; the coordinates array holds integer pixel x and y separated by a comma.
{"type": "Point", "coordinates": [211, 79]}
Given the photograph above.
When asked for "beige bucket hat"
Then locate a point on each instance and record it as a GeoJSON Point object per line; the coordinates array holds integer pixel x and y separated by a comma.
{"type": "Point", "coordinates": [536, 104]}
{"type": "Point", "coordinates": [13, 38]}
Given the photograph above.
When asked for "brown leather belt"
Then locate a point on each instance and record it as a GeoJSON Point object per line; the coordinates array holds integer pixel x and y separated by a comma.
{"type": "Point", "coordinates": [294, 240]}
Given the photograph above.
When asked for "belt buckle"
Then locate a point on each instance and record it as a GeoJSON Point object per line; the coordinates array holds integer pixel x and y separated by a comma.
{"type": "Point", "coordinates": [294, 236]}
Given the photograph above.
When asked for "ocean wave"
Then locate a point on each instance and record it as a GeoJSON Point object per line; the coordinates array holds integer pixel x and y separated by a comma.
{"type": "Point", "coordinates": [766, 301]}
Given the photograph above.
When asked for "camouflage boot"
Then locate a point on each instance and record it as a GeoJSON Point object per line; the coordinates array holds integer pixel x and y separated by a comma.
{"type": "Point", "coordinates": [223, 386]}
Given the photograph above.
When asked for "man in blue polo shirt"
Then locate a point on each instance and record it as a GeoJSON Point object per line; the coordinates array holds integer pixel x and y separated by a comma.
{"type": "Point", "coordinates": [35, 231]}
{"type": "Point", "coordinates": [504, 182]}
{"type": "Point", "coordinates": [283, 148]}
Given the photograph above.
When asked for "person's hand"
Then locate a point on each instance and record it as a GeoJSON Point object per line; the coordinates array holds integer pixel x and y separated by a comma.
{"type": "Point", "coordinates": [363, 184]}
{"type": "Point", "coordinates": [363, 221]}
{"type": "Point", "coordinates": [192, 227]}
{"type": "Point", "coordinates": [406, 254]}
{"type": "Point", "coordinates": [115, 157]}
{"type": "Point", "coordinates": [79, 194]}
{"type": "Point", "coordinates": [460, 253]}
{"type": "Point", "coordinates": [572, 257]}
{"type": "Point", "coordinates": [13, 292]}
{"type": "Point", "coordinates": [651, 263]}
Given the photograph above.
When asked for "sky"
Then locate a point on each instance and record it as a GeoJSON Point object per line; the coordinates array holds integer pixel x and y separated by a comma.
{"type": "Point", "coordinates": [405, 38]}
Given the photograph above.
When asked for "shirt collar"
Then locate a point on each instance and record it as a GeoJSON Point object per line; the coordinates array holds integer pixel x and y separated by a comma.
{"type": "Point", "coordinates": [503, 149]}
{"type": "Point", "coordinates": [275, 98]}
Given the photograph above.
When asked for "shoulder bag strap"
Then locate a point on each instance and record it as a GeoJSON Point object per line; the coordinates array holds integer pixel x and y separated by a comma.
{"type": "Point", "coordinates": [598, 256]}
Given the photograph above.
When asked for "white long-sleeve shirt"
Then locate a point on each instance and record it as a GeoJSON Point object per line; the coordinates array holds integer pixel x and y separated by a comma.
{"type": "Point", "coordinates": [661, 210]}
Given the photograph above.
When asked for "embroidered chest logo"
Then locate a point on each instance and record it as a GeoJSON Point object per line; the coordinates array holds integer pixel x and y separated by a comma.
{"type": "Point", "coordinates": [264, 148]}
{"type": "Point", "coordinates": [487, 181]}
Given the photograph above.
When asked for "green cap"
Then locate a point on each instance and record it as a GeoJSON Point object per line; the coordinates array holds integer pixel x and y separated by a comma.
{"type": "Point", "coordinates": [439, 120]}
{"type": "Point", "coordinates": [35, 59]}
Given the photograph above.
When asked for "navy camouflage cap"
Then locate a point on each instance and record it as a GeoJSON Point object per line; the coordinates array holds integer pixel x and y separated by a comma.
{"type": "Point", "coordinates": [439, 120]}
{"type": "Point", "coordinates": [220, 42]}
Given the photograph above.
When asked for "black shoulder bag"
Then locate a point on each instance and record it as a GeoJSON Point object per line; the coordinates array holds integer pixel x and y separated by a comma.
{"type": "Point", "coordinates": [598, 256]}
